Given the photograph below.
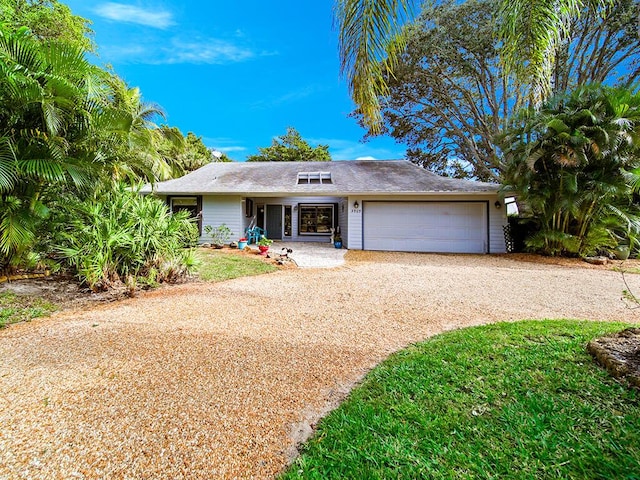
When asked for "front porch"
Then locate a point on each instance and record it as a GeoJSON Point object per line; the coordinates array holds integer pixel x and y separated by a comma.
{"type": "Point", "coordinates": [296, 219]}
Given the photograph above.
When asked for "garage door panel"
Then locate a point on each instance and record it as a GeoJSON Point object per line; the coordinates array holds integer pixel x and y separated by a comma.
{"type": "Point", "coordinates": [425, 226]}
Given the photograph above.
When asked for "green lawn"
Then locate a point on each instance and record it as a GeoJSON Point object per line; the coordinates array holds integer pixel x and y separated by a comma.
{"type": "Point", "coordinates": [18, 308]}
{"type": "Point", "coordinates": [521, 400]}
{"type": "Point", "coordinates": [217, 266]}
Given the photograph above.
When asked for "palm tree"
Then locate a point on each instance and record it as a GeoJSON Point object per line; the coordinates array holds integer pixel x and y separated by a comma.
{"type": "Point", "coordinates": [531, 32]}
{"type": "Point", "coordinates": [371, 40]}
{"type": "Point", "coordinates": [65, 126]}
{"type": "Point", "coordinates": [44, 112]}
{"type": "Point", "coordinates": [574, 166]}
{"type": "Point", "coordinates": [129, 139]}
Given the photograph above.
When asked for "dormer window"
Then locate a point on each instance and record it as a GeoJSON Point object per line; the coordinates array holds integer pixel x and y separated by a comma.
{"type": "Point", "coordinates": [310, 178]}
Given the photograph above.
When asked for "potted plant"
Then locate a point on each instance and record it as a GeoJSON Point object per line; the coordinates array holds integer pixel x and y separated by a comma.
{"type": "Point", "coordinates": [337, 241]}
{"type": "Point", "coordinates": [242, 243]}
{"type": "Point", "coordinates": [263, 245]}
{"type": "Point", "coordinates": [219, 235]}
{"type": "Point", "coordinates": [622, 252]}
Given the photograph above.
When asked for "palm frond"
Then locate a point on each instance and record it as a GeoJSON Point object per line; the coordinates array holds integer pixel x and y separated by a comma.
{"type": "Point", "coordinates": [371, 37]}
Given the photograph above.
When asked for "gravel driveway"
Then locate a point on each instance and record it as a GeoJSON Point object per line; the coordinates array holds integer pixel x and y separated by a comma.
{"type": "Point", "coordinates": [219, 380]}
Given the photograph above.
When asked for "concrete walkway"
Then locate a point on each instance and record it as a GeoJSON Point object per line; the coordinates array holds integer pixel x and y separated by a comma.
{"type": "Point", "coordinates": [312, 254]}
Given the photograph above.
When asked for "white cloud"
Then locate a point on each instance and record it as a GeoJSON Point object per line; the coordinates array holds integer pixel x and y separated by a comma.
{"type": "Point", "coordinates": [209, 51]}
{"type": "Point", "coordinates": [341, 149]}
{"type": "Point", "coordinates": [223, 144]}
{"type": "Point", "coordinates": [289, 97]}
{"type": "Point", "coordinates": [233, 148]}
{"type": "Point", "coordinates": [178, 51]}
{"type": "Point", "coordinates": [131, 14]}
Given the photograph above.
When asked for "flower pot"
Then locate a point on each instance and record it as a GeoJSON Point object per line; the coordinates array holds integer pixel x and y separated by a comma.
{"type": "Point", "coordinates": [242, 245]}
{"type": "Point", "coordinates": [622, 252]}
{"type": "Point", "coordinates": [263, 249]}
{"type": "Point", "coordinates": [337, 244]}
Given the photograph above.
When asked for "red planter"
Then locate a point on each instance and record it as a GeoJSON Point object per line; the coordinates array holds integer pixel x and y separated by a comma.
{"type": "Point", "coordinates": [263, 249]}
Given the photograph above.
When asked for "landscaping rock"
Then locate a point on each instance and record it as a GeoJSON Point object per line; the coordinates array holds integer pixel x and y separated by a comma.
{"type": "Point", "coordinates": [596, 260]}
{"type": "Point", "coordinates": [619, 354]}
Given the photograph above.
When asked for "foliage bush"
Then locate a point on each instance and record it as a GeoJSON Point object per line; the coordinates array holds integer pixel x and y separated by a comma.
{"type": "Point", "coordinates": [219, 235]}
{"type": "Point", "coordinates": [67, 128]}
{"type": "Point", "coordinates": [124, 237]}
{"type": "Point", "coordinates": [575, 165]}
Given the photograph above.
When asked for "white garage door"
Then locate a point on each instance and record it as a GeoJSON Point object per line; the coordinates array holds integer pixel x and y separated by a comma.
{"type": "Point", "coordinates": [452, 227]}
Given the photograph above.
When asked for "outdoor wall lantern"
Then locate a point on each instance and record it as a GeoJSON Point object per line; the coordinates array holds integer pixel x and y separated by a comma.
{"type": "Point", "coordinates": [497, 204]}
{"type": "Point", "coordinates": [356, 205]}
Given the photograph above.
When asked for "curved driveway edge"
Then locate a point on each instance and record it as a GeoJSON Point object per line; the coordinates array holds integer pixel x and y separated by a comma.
{"type": "Point", "coordinates": [209, 380]}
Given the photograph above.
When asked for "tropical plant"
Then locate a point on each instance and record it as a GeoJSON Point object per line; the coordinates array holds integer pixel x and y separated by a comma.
{"type": "Point", "coordinates": [291, 147]}
{"type": "Point", "coordinates": [449, 98]}
{"type": "Point", "coordinates": [44, 119]}
{"type": "Point", "coordinates": [574, 166]}
{"type": "Point", "coordinates": [47, 20]}
{"type": "Point", "coordinates": [185, 154]}
{"type": "Point", "coordinates": [532, 34]}
{"type": "Point", "coordinates": [124, 237]}
{"type": "Point", "coordinates": [66, 127]}
{"type": "Point", "coordinates": [219, 235]}
{"type": "Point", "coordinates": [372, 38]}
{"type": "Point", "coordinates": [264, 241]}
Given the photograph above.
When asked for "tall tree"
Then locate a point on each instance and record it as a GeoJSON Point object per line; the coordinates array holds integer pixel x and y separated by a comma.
{"type": "Point", "coordinates": [185, 154]}
{"type": "Point", "coordinates": [574, 165]}
{"type": "Point", "coordinates": [65, 126]}
{"type": "Point", "coordinates": [532, 33]}
{"type": "Point", "coordinates": [47, 20]}
{"type": "Point", "coordinates": [371, 40]}
{"type": "Point", "coordinates": [602, 45]}
{"type": "Point", "coordinates": [449, 98]}
{"type": "Point", "coordinates": [44, 123]}
{"type": "Point", "coordinates": [291, 147]}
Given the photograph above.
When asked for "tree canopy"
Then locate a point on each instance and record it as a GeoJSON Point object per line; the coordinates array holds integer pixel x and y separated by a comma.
{"type": "Point", "coordinates": [372, 38]}
{"type": "Point", "coordinates": [449, 97]}
{"type": "Point", "coordinates": [291, 147]}
{"type": "Point", "coordinates": [47, 20]}
{"type": "Point", "coordinates": [75, 139]}
{"type": "Point", "coordinates": [575, 165]}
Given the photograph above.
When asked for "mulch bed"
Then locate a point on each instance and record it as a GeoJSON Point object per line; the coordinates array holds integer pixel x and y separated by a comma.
{"type": "Point", "coordinates": [619, 354]}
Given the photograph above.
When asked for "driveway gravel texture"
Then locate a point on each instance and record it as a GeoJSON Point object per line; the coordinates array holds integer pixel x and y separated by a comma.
{"type": "Point", "coordinates": [205, 380]}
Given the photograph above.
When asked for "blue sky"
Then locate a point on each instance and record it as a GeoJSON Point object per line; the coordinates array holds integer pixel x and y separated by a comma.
{"type": "Point", "coordinates": [236, 73]}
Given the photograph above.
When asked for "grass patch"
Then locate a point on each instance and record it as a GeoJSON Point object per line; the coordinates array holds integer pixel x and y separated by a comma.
{"type": "Point", "coordinates": [20, 308]}
{"type": "Point", "coordinates": [513, 400]}
{"type": "Point", "coordinates": [219, 266]}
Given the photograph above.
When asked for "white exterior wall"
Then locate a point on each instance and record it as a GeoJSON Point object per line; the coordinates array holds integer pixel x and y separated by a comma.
{"type": "Point", "coordinates": [497, 217]}
{"type": "Point", "coordinates": [343, 221]}
{"type": "Point", "coordinates": [497, 221]}
{"type": "Point", "coordinates": [294, 202]}
{"type": "Point", "coordinates": [220, 209]}
{"type": "Point", "coordinates": [354, 225]}
{"type": "Point", "coordinates": [230, 210]}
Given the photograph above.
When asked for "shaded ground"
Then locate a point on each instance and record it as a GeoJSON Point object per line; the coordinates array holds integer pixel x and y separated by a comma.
{"type": "Point", "coordinates": [220, 380]}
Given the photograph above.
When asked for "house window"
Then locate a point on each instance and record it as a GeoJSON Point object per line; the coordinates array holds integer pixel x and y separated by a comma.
{"type": "Point", "coordinates": [189, 204]}
{"type": "Point", "coordinates": [287, 221]}
{"type": "Point", "coordinates": [314, 178]}
{"type": "Point", "coordinates": [315, 219]}
{"type": "Point", "coordinates": [193, 205]}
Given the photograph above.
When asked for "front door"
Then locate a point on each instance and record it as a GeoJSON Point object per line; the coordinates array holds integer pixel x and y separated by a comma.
{"type": "Point", "coordinates": [274, 222]}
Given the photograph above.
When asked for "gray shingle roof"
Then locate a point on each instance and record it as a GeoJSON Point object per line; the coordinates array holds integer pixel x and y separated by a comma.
{"type": "Point", "coordinates": [348, 177]}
